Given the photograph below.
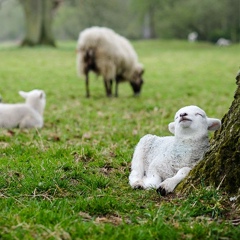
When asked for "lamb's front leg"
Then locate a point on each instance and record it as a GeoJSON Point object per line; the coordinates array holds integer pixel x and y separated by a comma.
{"type": "Point", "coordinates": [137, 172]}
{"type": "Point", "coordinates": [30, 122]}
{"type": "Point", "coordinates": [139, 181]}
{"type": "Point", "coordinates": [152, 180]}
{"type": "Point", "coordinates": [137, 167]}
{"type": "Point", "coordinates": [169, 184]}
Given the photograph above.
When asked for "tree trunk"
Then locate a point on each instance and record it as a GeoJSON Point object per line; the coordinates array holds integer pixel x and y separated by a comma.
{"type": "Point", "coordinates": [221, 165]}
{"type": "Point", "coordinates": [149, 24]}
{"type": "Point", "coordinates": [39, 16]}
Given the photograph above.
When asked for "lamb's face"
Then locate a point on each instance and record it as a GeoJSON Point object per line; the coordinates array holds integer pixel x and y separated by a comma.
{"type": "Point", "coordinates": [37, 94]}
{"type": "Point", "coordinates": [34, 96]}
{"type": "Point", "coordinates": [190, 117]}
{"type": "Point", "coordinates": [192, 120]}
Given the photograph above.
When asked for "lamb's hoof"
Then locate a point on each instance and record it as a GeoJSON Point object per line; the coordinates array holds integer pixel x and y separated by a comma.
{"type": "Point", "coordinates": [138, 187]}
{"type": "Point", "coordinates": [162, 191]}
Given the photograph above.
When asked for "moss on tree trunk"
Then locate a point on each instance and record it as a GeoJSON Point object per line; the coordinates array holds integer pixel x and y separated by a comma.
{"type": "Point", "coordinates": [221, 164]}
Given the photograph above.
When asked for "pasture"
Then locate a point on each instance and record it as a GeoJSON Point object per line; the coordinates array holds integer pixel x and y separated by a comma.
{"type": "Point", "coordinates": [69, 180]}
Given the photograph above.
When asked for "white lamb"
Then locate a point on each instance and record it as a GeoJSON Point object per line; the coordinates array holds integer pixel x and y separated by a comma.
{"type": "Point", "coordinates": [110, 55]}
{"type": "Point", "coordinates": [24, 115]}
{"type": "Point", "coordinates": [162, 162]}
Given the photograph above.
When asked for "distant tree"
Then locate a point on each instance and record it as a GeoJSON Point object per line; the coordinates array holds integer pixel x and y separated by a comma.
{"type": "Point", "coordinates": [146, 10]}
{"type": "Point", "coordinates": [211, 19]}
{"type": "Point", "coordinates": [39, 18]}
{"type": "Point", "coordinates": [114, 14]}
{"type": "Point", "coordinates": [233, 19]}
{"type": "Point", "coordinates": [1, 1]}
{"type": "Point", "coordinates": [221, 164]}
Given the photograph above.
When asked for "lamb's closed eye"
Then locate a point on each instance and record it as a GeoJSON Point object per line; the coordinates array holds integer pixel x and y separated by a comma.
{"type": "Point", "coordinates": [199, 114]}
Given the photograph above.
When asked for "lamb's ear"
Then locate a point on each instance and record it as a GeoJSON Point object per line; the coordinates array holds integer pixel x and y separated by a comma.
{"type": "Point", "coordinates": [42, 94]}
{"type": "Point", "coordinates": [213, 124]}
{"type": "Point", "coordinates": [23, 94]}
{"type": "Point", "coordinates": [171, 127]}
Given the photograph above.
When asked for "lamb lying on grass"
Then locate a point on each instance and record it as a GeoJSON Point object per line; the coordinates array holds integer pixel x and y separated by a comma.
{"type": "Point", "coordinates": [24, 115]}
{"type": "Point", "coordinates": [162, 162]}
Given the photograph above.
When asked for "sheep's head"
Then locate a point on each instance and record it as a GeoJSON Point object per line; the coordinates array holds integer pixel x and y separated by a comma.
{"type": "Point", "coordinates": [36, 98]}
{"type": "Point", "coordinates": [191, 121]}
{"type": "Point", "coordinates": [137, 79]}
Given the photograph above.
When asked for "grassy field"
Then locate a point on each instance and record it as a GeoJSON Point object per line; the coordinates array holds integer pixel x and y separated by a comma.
{"type": "Point", "coordinates": [69, 180]}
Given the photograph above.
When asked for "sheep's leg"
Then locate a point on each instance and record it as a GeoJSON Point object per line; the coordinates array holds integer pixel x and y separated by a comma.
{"type": "Point", "coordinates": [116, 88]}
{"type": "Point", "coordinates": [87, 85]}
{"type": "Point", "coordinates": [108, 87]}
{"type": "Point", "coordinates": [169, 184]}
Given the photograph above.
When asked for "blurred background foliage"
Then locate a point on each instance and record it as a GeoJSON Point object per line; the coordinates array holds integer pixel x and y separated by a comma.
{"type": "Point", "coordinates": [135, 19]}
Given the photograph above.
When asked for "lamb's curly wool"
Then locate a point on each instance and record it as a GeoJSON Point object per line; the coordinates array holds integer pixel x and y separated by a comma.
{"type": "Point", "coordinates": [162, 162]}
{"type": "Point", "coordinates": [110, 55]}
{"type": "Point", "coordinates": [24, 115]}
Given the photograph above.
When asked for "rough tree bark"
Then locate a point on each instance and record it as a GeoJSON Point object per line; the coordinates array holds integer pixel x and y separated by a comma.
{"type": "Point", "coordinates": [39, 18]}
{"type": "Point", "coordinates": [221, 164]}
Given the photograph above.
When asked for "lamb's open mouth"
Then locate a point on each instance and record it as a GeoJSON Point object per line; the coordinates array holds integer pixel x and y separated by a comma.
{"type": "Point", "coordinates": [184, 119]}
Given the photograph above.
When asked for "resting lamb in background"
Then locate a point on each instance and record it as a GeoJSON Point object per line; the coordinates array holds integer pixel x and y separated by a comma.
{"type": "Point", "coordinates": [223, 42]}
{"type": "Point", "coordinates": [106, 53]}
{"type": "Point", "coordinates": [192, 37]}
{"type": "Point", "coordinates": [24, 115]}
{"type": "Point", "coordinates": [162, 162]}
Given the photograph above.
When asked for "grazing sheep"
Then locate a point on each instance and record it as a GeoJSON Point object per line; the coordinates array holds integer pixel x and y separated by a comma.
{"type": "Point", "coordinates": [24, 115]}
{"type": "Point", "coordinates": [106, 53]}
{"type": "Point", "coordinates": [192, 37]}
{"type": "Point", "coordinates": [162, 162]}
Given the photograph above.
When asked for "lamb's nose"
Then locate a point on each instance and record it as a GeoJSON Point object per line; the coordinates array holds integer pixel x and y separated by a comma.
{"type": "Point", "coordinates": [183, 114]}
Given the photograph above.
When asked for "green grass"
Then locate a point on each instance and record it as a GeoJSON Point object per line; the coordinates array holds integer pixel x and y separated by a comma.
{"type": "Point", "coordinates": [69, 180]}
